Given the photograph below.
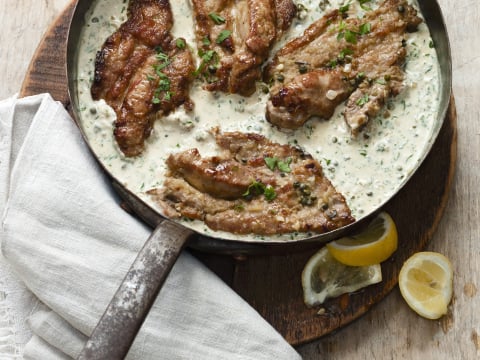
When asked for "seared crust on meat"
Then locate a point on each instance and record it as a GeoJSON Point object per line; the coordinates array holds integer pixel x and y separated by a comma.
{"type": "Point", "coordinates": [142, 73]}
{"type": "Point", "coordinates": [254, 186]}
{"type": "Point", "coordinates": [336, 56]}
{"type": "Point", "coordinates": [234, 38]}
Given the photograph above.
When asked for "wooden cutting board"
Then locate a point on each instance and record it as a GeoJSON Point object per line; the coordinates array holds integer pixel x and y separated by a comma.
{"type": "Point", "coordinates": [271, 283]}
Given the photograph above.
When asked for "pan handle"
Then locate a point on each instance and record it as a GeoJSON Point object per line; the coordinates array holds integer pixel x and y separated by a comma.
{"type": "Point", "coordinates": [116, 330]}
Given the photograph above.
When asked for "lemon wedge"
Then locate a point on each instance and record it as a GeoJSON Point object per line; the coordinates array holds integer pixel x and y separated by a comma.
{"type": "Point", "coordinates": [426, 284]}
{"type": "Point", "coordinates": [372, 246]}
{"type": "Point", "coordinates": [324, 277]}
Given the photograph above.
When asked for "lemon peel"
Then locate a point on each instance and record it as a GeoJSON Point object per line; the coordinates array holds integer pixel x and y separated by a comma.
{"type": "Point", "coordinates": [372, 246]}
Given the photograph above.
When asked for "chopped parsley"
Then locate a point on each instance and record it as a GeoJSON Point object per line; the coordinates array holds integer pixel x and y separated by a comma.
{"type": "Point", "coordinates": [224, 34]}
{"type": "Point", "coordinates": [344, 53]}
{"type": "Point", "coordinates": [332, 64]}
{"type": "Point", "coordinates": [343, 9]}
{"type": "Point", "coordinates": [164, 61]}
{"type": "Point", "coordinates": [363, 100]}
{"type": "Point", "coordinates": [163, 82]}
{"type": "Point", "coordinates": [363, 6]}
{"type": "Point", "coordinates": [365, 28]}
{"type": "Point", "coordinates": [258, 188]}
{"type": "Point", "coordinates": [274, 162]}
{"type": "Point", "coordinates": [207, 57]}
{"type": "Point", "coordinates": [217, 19]}
{"type": "Point", "coordinates": [180, 43]}
{"type": "Point", "coordinates": [163, 85]}
{"type": "Point", "coordinates": [350, 36]}
{"type": "Point", "coordinates": [269, 193]}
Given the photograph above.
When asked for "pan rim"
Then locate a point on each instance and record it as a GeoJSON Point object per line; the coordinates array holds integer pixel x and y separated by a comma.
{"type": "Point", "coordinates": [436, 24]}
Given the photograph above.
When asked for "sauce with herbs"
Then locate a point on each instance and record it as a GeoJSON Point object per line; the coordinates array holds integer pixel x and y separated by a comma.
{"type": "Point", "coordinates": [367, 170]}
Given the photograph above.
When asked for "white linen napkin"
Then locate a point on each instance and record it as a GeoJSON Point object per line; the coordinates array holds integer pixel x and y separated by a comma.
{"type": "Point", "coordinates": [68, 240]}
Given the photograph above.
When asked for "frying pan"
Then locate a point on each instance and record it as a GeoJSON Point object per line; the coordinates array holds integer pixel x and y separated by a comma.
{"type": "Point", "coordinates": [116, 330]}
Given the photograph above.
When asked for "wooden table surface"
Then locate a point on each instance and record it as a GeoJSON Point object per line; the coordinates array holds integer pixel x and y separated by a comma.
{"type": "Point", "coordinates": [390, 330]}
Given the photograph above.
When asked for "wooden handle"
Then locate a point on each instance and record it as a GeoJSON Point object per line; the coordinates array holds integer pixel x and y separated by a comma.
{"type": "Point", "coordinates": [116, 330]}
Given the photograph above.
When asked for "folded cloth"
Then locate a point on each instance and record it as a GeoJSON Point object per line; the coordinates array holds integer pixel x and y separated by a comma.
{"type": "Point", "coordinates": [68, 240]}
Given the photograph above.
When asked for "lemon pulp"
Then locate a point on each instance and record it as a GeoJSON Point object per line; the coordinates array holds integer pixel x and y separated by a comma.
{"type": "Point", "coordinates": [426, 284]}
{"type": "Point", "coordinates": [324, 277]}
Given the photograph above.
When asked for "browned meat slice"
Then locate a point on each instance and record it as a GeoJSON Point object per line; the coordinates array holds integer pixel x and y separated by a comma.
{"type": "Point", "coordinates": [315, 93]}
{"type": "Point", "coordinates": [254, 186]}
{"type": "Point", "coordinates": [234, 38]}
{"type": "Point", "coordinates": [220, 177]}
{"type": "Point", "coordinates": [142, 73]}
{"type": "Point", "coordinates": [338, 55]}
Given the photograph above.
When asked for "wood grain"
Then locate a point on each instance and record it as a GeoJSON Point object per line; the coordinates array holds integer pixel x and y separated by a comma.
{"type": "Point", "coordinates": [390, 330]}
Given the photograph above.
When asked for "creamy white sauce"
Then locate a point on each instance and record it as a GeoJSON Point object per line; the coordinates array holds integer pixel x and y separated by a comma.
{"type": "Point", "coordinates": [367, 170]}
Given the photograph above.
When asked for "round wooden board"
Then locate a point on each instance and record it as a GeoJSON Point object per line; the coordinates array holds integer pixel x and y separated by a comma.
{"type": "Point", "coordinates": [271, 283]}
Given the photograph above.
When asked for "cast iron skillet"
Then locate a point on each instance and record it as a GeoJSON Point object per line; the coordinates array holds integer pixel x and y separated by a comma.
{"type": "Point", "coordinates": [117, 328]}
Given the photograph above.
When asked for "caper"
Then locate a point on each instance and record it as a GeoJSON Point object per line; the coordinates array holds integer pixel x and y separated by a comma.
{"type": "Point", "coordinates": [212, 69]}
{"type": "Point", "coordinates": [331, 213]}
{"type": "Point", "coordinates": [302, 68]}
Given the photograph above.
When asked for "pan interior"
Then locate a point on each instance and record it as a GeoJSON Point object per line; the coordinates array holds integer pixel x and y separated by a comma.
{"type": "Point", "coordinates": [368, 170]}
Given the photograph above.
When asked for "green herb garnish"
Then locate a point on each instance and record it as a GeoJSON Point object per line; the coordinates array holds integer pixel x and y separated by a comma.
{"type": "Point", "coordinates": [180, 43]}
{"type": "Point", "coordinates": [207, 57]}
{"type": "Point", "coordinates": [344, 53]}
{"type": "Point", "coordinates": [224, 34]}
{"type": "Point", "coordinates": [363, 6]}
{"type": "Point", "coordinates": [269, 193]}
{"type": "Point", "coordinates": [217, 19]}
{"type": "Point", "coordinates": [168, 95]}
{"type": "Point", "coordinates": [365, 28]}
{"type": "Point", "coordinates": [343, 9]}
{"type": "Point", "coordinates": [350, 36]}
{"type": "Point", "coordinates": [258, 188]}
{"type": "Point", "coordinates": [164, 81]}
{"type": "Point", "coordinates": [363, 100]}
{"type": "Point", "coordinates": [271, 162]}
{"type": "Point", "coordinates": [332, 63]}
{"type": "Point", "coordinates": [274, 162]}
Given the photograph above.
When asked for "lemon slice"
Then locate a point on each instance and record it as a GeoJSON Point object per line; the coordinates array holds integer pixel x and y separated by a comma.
{"type": "Point", "coordinates": [426, 284]}
{"type": "Point", "coordinates": [372, 246]}
{"type": "Point", "coordinates": [324, 277]}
